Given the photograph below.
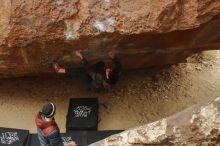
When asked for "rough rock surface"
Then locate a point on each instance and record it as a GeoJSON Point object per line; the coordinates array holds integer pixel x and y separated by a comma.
{"type": "Point", "coordinates": [197, 125]}
{"type": "Point", "coordinates": [33, 33]}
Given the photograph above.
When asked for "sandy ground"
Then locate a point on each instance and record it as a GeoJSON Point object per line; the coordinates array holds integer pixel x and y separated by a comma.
{"type": "Point", "coordinates": [140, 97]}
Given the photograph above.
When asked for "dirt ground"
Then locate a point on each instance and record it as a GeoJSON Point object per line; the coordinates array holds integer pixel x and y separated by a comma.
{"type": "Point", "coordinates": [140, 96]}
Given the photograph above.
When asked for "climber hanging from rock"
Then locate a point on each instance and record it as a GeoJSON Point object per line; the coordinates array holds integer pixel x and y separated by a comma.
{"type": "Point", "coordinates": [97, 77]}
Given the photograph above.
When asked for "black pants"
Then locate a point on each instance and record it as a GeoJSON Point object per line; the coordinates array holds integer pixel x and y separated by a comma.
{"type": "Point", "coordinates": [84, 75]}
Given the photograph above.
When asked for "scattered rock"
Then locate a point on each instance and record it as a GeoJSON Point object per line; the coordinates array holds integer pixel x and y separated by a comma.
{"type": "Point", "coordinates": [198, 68]}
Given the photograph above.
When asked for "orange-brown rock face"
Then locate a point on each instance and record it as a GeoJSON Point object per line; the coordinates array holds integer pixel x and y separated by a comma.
{"type": "Point", "coordinates": [34, 33]}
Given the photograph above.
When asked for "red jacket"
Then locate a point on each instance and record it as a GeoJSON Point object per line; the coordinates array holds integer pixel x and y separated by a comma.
{"type": "Point", "coordinates": [46, 127]}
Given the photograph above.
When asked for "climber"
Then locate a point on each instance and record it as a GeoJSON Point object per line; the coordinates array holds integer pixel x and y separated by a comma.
{"type": "Point", "coordinates": [97, 77]}
{"type": "Point", "coordinates": [47, 129]}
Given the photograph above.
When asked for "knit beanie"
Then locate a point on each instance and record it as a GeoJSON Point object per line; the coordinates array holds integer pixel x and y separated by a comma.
{"type": "Point", "coordinates": [49, 110]}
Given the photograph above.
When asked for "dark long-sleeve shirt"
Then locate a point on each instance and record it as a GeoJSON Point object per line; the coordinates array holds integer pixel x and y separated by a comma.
{"type": "Point", "coordinates": [97, 71]}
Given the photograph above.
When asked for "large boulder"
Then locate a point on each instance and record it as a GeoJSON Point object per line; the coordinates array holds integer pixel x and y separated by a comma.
{"type": "Point", "coordinates": [198, 125]}
{"type": "Point", "coordinates": [34, 33]}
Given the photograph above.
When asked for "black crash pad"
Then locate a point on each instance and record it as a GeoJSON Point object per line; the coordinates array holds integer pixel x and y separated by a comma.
{"type": "Point", "coordinates": [66, 137]}
{"type": "Point", "coordinates": [82, 114]}
{"type": "Point", "coordinates": [94, 136]}
{"type": "Point", "coordinates": [13, 137]}
{"type": "Point", "coordinates": [82, 138]}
